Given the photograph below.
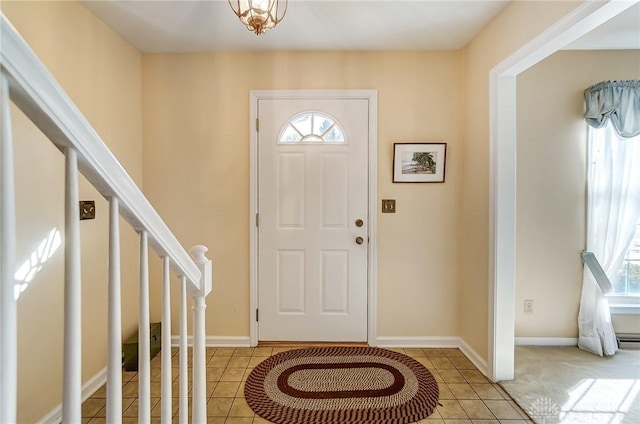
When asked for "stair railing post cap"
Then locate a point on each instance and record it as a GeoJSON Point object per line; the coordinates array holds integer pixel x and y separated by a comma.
{"type": "Point", "coordinates": [198, 254]}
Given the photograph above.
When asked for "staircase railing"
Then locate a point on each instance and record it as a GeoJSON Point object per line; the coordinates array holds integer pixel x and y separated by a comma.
{"type": "Point", "coordinates": [25, 81]}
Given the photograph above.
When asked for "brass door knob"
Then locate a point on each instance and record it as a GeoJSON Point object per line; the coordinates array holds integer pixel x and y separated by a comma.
{"type": "Point", "coordinates": [359, 240]}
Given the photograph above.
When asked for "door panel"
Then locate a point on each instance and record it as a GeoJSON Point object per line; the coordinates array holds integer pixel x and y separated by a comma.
{"type": "Point", "coordinates": [291, 189]}
{"type": "Point", "coordinates": [312, 276]}
{"type": "Point", "coordinates": [291, 281]}
{"type": "Point", "coordinates": [335, 282]}
{"type": "Point", "coordinates": [335, 191]}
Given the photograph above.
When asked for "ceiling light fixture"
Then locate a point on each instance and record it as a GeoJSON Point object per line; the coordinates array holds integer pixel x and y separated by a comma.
{"type": "Point", "coordinates": [259, 15]}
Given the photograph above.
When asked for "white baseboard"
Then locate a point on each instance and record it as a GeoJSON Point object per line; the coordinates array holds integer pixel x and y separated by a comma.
{"type": "Point", "coordinates": [95, 382]}
{"type": "Point", "coordinates": [426, 341]}
{"type": "Point", "coordinates": [89, 388]}
{"type": "Point", "coordinates": [217, 341]}
{"type": "Point", "coordinates": [436, 342]}
{"type": "Point", "coordinates": [546, 341]}
{"type": "Point", "coordinates": [475, 358]}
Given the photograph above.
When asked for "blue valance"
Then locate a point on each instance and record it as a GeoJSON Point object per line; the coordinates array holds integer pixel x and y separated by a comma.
{"type": "Point", "coordinates": [618, 101]}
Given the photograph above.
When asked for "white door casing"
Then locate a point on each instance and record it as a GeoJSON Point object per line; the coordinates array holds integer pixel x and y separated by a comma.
{"type": "Point", "coordinates": [372, 98]}
{"type": "Point", "coordinates": [312, 273]}
{"type": "Point", "coordinates": [503, 168]}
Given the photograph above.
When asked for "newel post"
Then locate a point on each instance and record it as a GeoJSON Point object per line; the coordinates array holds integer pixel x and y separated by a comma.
{"type": "Point", "coordinates": [199, 350]}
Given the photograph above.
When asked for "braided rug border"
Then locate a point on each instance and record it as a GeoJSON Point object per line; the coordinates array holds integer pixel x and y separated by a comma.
{"type": "Point", "coordinates": [419, 405]}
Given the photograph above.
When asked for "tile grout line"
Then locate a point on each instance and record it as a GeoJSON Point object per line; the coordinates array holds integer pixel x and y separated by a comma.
{"type": "Point", "coordinates": [451, 362]}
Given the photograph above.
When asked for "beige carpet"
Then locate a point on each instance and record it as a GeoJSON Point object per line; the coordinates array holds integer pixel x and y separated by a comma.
{"type": "Point", "coordinates": [569, 385]}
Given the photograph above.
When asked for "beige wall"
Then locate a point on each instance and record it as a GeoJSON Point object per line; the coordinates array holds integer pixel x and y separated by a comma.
{"type": "Point", "coordinates": [517, 24]}
{"type": "Point", "coordinates": [101, 73]}
{"type": "Point", "coordinates": [551, 186]}
{"type": "Point", "coordinates": [196, 146]}
{"type": "Point", "coordinates": [626, 323]}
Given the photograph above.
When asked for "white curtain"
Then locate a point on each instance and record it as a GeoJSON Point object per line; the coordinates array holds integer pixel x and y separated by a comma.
{"type": "Point", "coordinates": [613, 208]}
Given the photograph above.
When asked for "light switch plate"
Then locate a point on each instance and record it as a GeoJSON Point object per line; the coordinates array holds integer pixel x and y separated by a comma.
{"type": "Point", "coordinates": [388, 205]}
{"type": "Point", "coordinates": [87, 209]}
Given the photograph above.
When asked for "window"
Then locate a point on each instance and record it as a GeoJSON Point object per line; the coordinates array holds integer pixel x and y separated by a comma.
{"type": "Point", "coordinates": [613, 209]}
{"type": "Point", "coordinates": [614, 180]}
{"type": "Point", "coordinates": [311, 127]}
{"type": "Point", "coordinates": [627, 282]}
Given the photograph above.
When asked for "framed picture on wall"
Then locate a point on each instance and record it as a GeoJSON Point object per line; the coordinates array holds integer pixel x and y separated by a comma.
{"type": "Point", "coordinates": [419, 162]}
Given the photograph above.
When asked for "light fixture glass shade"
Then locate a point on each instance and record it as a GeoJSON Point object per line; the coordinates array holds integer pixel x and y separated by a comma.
{"type": "Point", "coordinates": [259, 15]}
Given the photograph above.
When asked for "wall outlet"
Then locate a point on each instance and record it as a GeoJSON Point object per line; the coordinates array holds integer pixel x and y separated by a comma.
{"type": "Point", "coordinates": [528, 307]}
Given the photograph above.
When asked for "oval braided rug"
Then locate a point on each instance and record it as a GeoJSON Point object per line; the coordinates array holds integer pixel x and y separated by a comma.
{"type": "Point", "coordinates": [363, 385]}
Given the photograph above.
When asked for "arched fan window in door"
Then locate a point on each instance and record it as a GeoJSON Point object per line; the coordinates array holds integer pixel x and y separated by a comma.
{"type": "Point", "coordinates": [312, 127]}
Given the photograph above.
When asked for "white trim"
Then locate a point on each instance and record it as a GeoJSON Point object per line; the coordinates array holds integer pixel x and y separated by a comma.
{"type": "Point", "coordinates": [372, 97]}
{"type": "Point", "coordinates": [502, 225]}
{"type": "Point", "coordinates": [419, 341]}
{"type": "Point", "coordinates": [88, 389]}
{"type": "Point", "coordinates": [227, 341]}
{"type": "Point", "coordinates": [253, 211]}
{"type": "Point", "coordinates": [624, 309]}
{"type": "Point", "coordinates": [581, 20]}
{"type": "Point", "coordinates": [373, 218]}
{"type": "Point", "coordinates": [623, 305]}
{"type": "Point", "coordinates": [216, 341]}
{"type": "Point", "coordinates": [53, 417]}
{"type": "Point", "coordinates": [475, 359]}
{"type": "Point", "coordinates": [546, 341]}
{"type": "Point", "coordinates": [435, 342]}
{"type": "Point", "coordinates": [8, 304]}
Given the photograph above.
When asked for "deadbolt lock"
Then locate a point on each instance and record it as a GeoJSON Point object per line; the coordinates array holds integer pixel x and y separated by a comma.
{"type": "Point", "coordinates": [359, 223]}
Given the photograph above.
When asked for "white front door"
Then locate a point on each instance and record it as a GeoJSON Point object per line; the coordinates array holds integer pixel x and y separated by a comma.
{"type": "Point", "coordinates": [313, 230]}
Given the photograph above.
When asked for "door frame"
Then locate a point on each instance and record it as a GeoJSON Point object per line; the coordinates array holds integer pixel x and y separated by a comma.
{"type": "Point", "coordinates": [372, 259]}
{"type": "Point", "coordinates": [503, 169]}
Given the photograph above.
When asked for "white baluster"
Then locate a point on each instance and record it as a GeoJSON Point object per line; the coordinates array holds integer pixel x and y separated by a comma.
{"type": "Point", "coordinates": [184, 372]}
{"type": "Point", "coordinates": [72, 381]}
{"type": "Point", "coordinates": [199, 361]}
{"type": "Point", "coordinates": [166, 414]}
{"type": "Point", "coordinates": [114, 360]}
{"type": "Point", "coordinates": [144, 342]}
{"type": "Point", "coordinates": [199, 352]}
{"type": "Point", "coordinates": [8, 314]}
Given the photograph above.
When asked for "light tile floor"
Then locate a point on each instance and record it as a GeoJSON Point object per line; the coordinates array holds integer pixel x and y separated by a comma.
{"type": "Point", "coordinates": [466, 396]}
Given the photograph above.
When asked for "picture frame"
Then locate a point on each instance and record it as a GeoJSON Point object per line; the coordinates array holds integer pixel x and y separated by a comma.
{"type": "Point", "coordinates": [419, 162]}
